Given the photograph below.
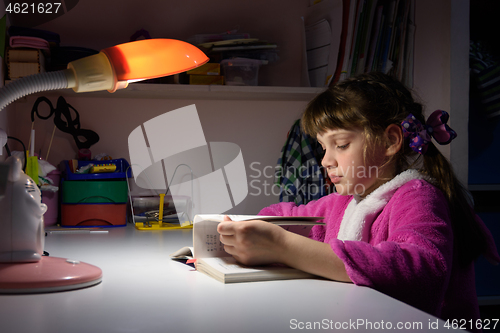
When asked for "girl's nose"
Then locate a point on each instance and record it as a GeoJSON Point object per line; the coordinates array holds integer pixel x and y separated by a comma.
{"type": "Point", "coordinates": [328, 161]}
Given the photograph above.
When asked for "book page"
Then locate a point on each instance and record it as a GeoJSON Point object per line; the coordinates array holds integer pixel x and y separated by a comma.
{"type": "Point", "coordinates": [206, 240]}
{"type": "Point", "coordinates": [185, 253]}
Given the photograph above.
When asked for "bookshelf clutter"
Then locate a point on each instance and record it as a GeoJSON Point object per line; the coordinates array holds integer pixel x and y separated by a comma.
{"type": "Point", "coordinates": [22, 62]}
{"type": "Point", "coordinates": [378, 35]}
{"type": "Point", "coordinates": [235, 59]}
{"type": "Point", "coordinates": [28, 51]}
{"type": "Point", "coordinates": [374, 35]}
{"type": "Point", "coordinates": [360, 36]}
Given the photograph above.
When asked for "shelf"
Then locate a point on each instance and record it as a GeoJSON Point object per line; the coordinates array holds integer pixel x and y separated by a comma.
{"type": "Point", "coordinates": [210, 92]}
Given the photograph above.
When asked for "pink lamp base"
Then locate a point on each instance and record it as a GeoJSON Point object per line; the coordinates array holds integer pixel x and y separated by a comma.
{"type": "Point", "coordinates": [50, 274]}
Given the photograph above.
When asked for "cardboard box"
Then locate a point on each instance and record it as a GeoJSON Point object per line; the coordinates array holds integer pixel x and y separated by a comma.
{"type": "Point", "coordinates": [22, 69]}
{"type": "Point", "coordinates": [206, 69]}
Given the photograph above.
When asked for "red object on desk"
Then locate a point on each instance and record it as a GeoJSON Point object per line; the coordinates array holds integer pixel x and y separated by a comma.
{"type": "Point", "coordinates": [93, 215]}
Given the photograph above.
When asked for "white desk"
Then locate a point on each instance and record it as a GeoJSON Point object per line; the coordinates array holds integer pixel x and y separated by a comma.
{"type": "Point", "coordinates": [144, 291]}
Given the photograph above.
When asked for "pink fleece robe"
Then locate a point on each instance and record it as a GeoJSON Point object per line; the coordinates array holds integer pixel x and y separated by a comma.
{"type": "Point", "coordinates": [409, 252]}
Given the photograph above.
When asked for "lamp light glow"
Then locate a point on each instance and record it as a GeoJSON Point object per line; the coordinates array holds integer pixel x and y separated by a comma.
{"type": "Point", "coordinates": [114, 67]}
{"type": "Point", "coordinates": [152, 58]}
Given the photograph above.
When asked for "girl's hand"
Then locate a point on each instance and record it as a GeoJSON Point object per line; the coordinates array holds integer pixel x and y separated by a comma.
{"type": "Point", "coordinates": [252, 242]}
{"type": "Point", "coordinates": [259, 243]}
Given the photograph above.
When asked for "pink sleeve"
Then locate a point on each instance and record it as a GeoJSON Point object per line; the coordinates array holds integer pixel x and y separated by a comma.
{"type": "Point", "coordinates": [410, 256]}
{"type": "Point", "coordinates": [312, 208]}
{"type": "Point", "coordinates": [327, 207]}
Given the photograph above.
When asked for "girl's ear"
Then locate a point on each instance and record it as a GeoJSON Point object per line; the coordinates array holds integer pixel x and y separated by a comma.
{"type": "Point", "coordinates": [395, 138]}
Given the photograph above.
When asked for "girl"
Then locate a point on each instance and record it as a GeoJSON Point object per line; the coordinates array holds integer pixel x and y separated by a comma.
{"type": "Point", "coordinates": [400, 221]}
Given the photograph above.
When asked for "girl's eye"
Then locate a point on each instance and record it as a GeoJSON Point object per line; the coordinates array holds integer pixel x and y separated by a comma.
{"type": "Point", "coordinates": [343, 146]}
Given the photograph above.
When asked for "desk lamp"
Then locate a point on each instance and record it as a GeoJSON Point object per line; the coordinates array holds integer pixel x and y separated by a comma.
{"type": "Point", "coordinates": [23, 268]}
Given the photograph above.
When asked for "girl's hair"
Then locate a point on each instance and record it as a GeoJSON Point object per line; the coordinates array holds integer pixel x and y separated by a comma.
{"type": "Point", "coordinates": [373, 101]}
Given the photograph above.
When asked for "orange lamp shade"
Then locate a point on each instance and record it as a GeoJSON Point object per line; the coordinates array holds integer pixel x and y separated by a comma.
{"type": "Point", "coordinates": [152, 58]}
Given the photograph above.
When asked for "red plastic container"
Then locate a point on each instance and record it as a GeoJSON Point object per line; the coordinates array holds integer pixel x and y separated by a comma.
{"type": "Point", "coordinates": [93, 215]}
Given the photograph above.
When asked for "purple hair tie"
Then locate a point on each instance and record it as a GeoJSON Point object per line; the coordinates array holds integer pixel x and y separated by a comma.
{"type": "Point", "coordinates": [420, 134]}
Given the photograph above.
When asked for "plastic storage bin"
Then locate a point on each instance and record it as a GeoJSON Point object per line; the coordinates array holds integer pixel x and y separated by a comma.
{"type": "Point", "coordinates": [94, 215]}
{"type": "Point", "coordinates": [122, 170]}
{"type": "Point", "coordinates": [95, 199]}
{"type": "Point", "coordinates": [141, 205]}
{"type": "Point", "coordinates": [111, 191]}
{"type": "Point", "coordinates": [241, 71]}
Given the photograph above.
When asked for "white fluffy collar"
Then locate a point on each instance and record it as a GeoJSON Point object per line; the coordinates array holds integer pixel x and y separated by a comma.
{"type": "Point", "coordinates": [360, 214]}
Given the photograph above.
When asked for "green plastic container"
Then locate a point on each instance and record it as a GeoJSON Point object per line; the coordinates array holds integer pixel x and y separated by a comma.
{"type": "Point", "coordinates": [93, 191]}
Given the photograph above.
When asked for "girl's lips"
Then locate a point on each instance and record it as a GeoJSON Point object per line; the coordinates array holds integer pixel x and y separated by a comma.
{"type": "Point", "coordinates": [335, 179]}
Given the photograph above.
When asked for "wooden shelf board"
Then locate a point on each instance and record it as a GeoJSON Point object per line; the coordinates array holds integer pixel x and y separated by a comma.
{"type": "Point", "coordinates": [215, 92]}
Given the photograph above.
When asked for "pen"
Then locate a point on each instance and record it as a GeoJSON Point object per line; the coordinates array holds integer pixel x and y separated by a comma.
{"type": "Point", "coordinates": [78, 231]}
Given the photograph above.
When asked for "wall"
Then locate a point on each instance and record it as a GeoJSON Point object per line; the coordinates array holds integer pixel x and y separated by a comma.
{"type": "Point", "coordinates": [258, 127]}
{"type": "Point", "coordinates": [442, 69]}
{"type": "Point", "coordinates": [459, 84]}
{"type": "Point", "coordinates": [432, 57]}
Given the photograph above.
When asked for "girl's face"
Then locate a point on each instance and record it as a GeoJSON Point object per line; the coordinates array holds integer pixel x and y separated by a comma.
{"type": "Point", "coordinates": [345, 163]}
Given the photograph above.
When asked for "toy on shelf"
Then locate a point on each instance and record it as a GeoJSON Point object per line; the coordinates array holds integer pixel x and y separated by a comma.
{"type": "Point", "coordinates": [111, 169]}
{"type": "Point", "coordinates": [99, 168]}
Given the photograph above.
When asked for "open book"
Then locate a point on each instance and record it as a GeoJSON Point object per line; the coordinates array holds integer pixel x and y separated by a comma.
{"type": "Point", "coordinates": [211, 259]}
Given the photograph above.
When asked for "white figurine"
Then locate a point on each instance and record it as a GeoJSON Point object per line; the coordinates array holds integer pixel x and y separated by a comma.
{"type": "Point", "coordinates": [21, 217]}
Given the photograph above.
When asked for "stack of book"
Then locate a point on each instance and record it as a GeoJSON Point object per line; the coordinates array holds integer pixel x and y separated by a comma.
{"type": "Point", "coordinates": [28, 51]}
{"type": "Point", "coordinates": [250, 48]}
{"type": "Point", "coordinates": [22, 62]}
{"type": "Point", "coordinates": [233, 44]}
{"type": "Point", "coordinates": [219, 47]}
{"type": "Point", "coordinates": [378, 35]}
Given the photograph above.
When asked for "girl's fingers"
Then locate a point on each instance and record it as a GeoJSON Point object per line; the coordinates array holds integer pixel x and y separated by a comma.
{"type": "Point", "coordinates": [226, 228]}
{"type": "Point", "coordinates": [229, 249]}
{"type": "Point", "coordinates": [227, 239]}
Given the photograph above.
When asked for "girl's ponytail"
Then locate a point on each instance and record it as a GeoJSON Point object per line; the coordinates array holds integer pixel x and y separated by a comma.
{"type": "Point", "coordinates": [469, 239]}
